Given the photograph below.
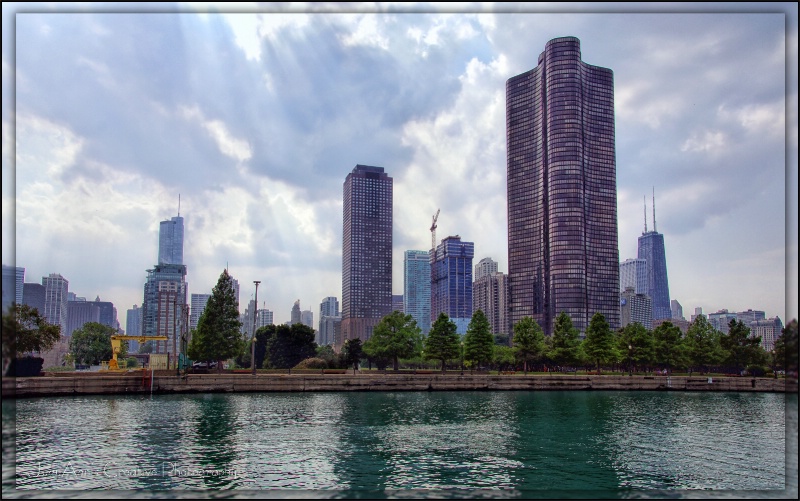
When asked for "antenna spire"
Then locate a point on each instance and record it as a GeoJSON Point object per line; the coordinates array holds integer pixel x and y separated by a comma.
{"type": "Point", "coordinates": [654, 209]}
{"type": "Point", "coordinates": [644, 199]}
{"type": "Point", "coordinates": [179, 205]}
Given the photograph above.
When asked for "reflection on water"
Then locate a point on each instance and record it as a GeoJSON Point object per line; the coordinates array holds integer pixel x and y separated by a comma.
{"type": "Point", "coordinates": [495, 444]}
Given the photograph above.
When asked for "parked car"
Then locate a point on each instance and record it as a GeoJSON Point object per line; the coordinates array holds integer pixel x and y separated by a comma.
{"type": "Point", "coordinates": [204, 365]}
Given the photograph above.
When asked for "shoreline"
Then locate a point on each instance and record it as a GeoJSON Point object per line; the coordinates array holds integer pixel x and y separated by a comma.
{"type": "Point", "coordinates": [46, 386]}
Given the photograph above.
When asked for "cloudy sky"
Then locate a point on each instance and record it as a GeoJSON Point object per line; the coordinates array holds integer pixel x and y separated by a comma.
{"type": "Point", "coordinates": [255, 118]}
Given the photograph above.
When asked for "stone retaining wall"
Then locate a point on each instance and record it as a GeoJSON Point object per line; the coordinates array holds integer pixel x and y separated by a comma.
{"type": "Point", "coordinates": [218, 383]}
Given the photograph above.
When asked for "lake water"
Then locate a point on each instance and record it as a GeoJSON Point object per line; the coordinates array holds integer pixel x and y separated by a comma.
{"type": "Point", "coordinates": [404, 444]}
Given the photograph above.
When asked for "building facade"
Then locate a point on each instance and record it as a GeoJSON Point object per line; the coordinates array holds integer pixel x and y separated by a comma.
{"type": "Point", "coordinates": [635, 308]}
{"type": "Point", "coordinates": [307, 318]}
{"type": "Point", "coordinates": [490, 295]}
{"type": "Point", "coordinates": [55, 300]}
{"type": "Point", "coordinates": [485, 266]}
{"type": "Point", "coordinates": [366, 251]}
{"type": "Point", "coordinates": [294, 317]}
{"type": "Point", "coordinates": [451, 281]}
{"type": "Point", "coordinates": [133, 327]}
{"type": "Point", "coordinates": [80, 313]}
{"type": "Point", "coordinates": [33, 295]}
{"type": "Point", "coordinates": [651, 249]}
{"type": "Point", "coordinates": [676, 309]}
{"type": "Point", "coordinates": [633, 273]}
{"type": "Point", "coordinates": [13, 282]}
{"type": "Point", "coordinates": [198, 304]}
{"type": "Point", "coordinates": [562, 190]}
{"type": "Point", "coordinates": [170, 241]}
{"type": "Point", "coordinates": [165, 308]}
{"type": "Point", "coordinates": [417, 287]}
{"type": "Point", "coordinates": [769, 329]}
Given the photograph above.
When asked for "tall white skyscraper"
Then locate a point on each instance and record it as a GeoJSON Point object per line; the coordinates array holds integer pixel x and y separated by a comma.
{"type": "Point", "coordinates": [633, 273]}
{"type": "Point", "coordinates": [485, 266]}
{"type": "Point", "coordinates": [307, 318]}
{"type": "Point", "coordinates": [170, 241]}
{"type": "Point", "coordinates": [55, 300]}
{"type": "Point", "coordinates": [198, 304]}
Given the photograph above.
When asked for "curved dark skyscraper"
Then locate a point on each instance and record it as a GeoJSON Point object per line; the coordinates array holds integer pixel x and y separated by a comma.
{"type": "Point", "coordinates": [651, 249]}
{"type": "Point", "coordinates": [562, 190]}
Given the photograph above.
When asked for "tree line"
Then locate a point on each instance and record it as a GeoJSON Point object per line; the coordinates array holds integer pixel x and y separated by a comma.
{"type": "Point", "coordinates": [397, 338]}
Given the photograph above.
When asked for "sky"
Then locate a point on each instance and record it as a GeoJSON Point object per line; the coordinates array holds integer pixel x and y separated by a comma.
{"type": "Point", "coordinates": [255, 118]}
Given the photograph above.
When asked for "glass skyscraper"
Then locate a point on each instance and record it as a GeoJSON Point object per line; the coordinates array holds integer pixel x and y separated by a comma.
{"type": "Point", "coordinates": [451, 281]}
{"type": "Point", "coordinates": [563, 253]}
{"type": "Point", "coordinates": [417, 287]}
{"type": "Point", "coordinates": [651, 249]}
{"type": "Point", "coordinates": [366, 252]}
{"type": "Point", "coordinates": [170, 241]}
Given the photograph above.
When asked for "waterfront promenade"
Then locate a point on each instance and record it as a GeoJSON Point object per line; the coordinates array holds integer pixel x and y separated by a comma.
{"type": "Point", "coordinates": [162, 383]}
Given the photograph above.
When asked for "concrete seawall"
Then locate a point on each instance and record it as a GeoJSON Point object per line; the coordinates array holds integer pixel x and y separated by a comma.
{"type": "Point", "coordinates": [229, 383]}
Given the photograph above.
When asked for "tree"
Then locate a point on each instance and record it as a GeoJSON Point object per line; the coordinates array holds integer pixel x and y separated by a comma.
{"type": "Point", "coordinates": [325, 352]}
{"type": "Point", "coordinates": [599, 343]}
{"type": "Point", "coordinates": [669, 350]}
{"type": "Point", "coordinates": [636, 345]}
{"type": "Point", "coordinates": [740, 348]}
{"type": "Point", "coordinates": [25, 330]}
{"type": "Point", "coordinates": [218, 336]}
{"type": "Point", "coordinates": [351, 352]}
{"type": "Point", "coordinates": [443, 342]}
{"type": "Point", "coordinates": [565, 344]}
{"type": "Point", "coordinates": [286, 345]}
{"type": "Point", "coordinates": [396, 336]}
{"type": "Point", "coordinates": [528, 341]}
{"type": "Point", "coordinates": [503, 357]}
{"type": "Point", "coordinates": [702, 345]}
{"type": "Point", "coordinates": [478, 341]}
{"type": "Point", "coordinates": [146, 347]}
{"type": "Point", "coordinates": [785, 352]}
{"type": "Point", "coordinates": [91, 344]}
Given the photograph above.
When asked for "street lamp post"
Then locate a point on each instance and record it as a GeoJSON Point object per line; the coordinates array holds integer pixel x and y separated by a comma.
{"type": "Point", "coordinates": [462, 358]}
{"type": "Point", "coordinates": [253, 339]}
{"type": "Point", "coordinates": [630, 367]}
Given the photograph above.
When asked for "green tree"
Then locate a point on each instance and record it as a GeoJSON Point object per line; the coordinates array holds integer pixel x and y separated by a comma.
{"type": "Point", "coordinates": [636, 345]}
{"type": "Point", "coordinates": [565, 344]}
{"type": "Point", "coordinates": [91, 344]}
{"type": "Point", "coordinates": [740, 348]}
{"type": "Point", "coordinates": [326, 353]}
{"type": "Point", "coordinates": [503, 357]}
{"type": "Point", "coordinates": [502, 339]}
{"type": "Point", "coordinates": [351, 352]}
{"type": "Point", "coordinates": [702, 343]}
{"type": "Point", "coordinates": [146, 347]}
{"type": "Point", "coordinates": [785, 352]}
{"type": "Point", "coordinates": [478, 341]}
{"type": "Point", "coordinates": [443, 342]}
{"type": "Point", "coordinates": [396, 336]}
{"type": "Point", "coordinates": [599, 343]}
{"type": "Point", "coordinates": [131, 362]}
{"type": "Point", "coordinates": [286, 345]}
{"type": "Point", "coordinates": [218, 334]}
{"type": "Point", "coordinates": [669, 350]}
{"type": "Point", "coordinates": [528, 341]}
{"type": "Point", "coordinates": [25, 330]}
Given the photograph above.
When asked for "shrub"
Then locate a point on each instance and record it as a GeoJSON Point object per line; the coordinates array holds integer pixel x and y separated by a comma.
{"type": "Point", "coordinates": [312, 363]}
{"type": "Point", "coordinates": [756, 370]}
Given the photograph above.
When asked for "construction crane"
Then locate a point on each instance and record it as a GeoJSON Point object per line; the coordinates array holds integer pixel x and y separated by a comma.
{"type": "Point", "coordinates": [116, 345]}
{"type": "Point", "coordinates": [433, 230]}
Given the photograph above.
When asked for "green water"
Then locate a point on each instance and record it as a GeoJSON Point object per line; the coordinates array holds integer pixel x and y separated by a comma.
{"type": "Point", "coordinates": [404, 444]}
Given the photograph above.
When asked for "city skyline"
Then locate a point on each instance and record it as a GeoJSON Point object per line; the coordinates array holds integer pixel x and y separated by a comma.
{"type": "Point", "coordinates": [273, 212]}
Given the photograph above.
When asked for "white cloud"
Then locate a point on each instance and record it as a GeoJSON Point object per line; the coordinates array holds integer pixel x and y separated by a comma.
{"type": "Point", "coordinates": [706, 141]}
{"type": "Point", "coordinates": [238, 149]}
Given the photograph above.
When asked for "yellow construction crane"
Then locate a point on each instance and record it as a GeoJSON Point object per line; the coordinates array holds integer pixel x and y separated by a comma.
{"type": "Point", "coordinates": [116, 345]}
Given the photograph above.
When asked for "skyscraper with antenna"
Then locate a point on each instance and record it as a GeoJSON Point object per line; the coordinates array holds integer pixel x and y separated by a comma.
{"type": "Point", "coordinates": [170, 239]}
{"type": "Point", "coordinates": [652, 250]}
